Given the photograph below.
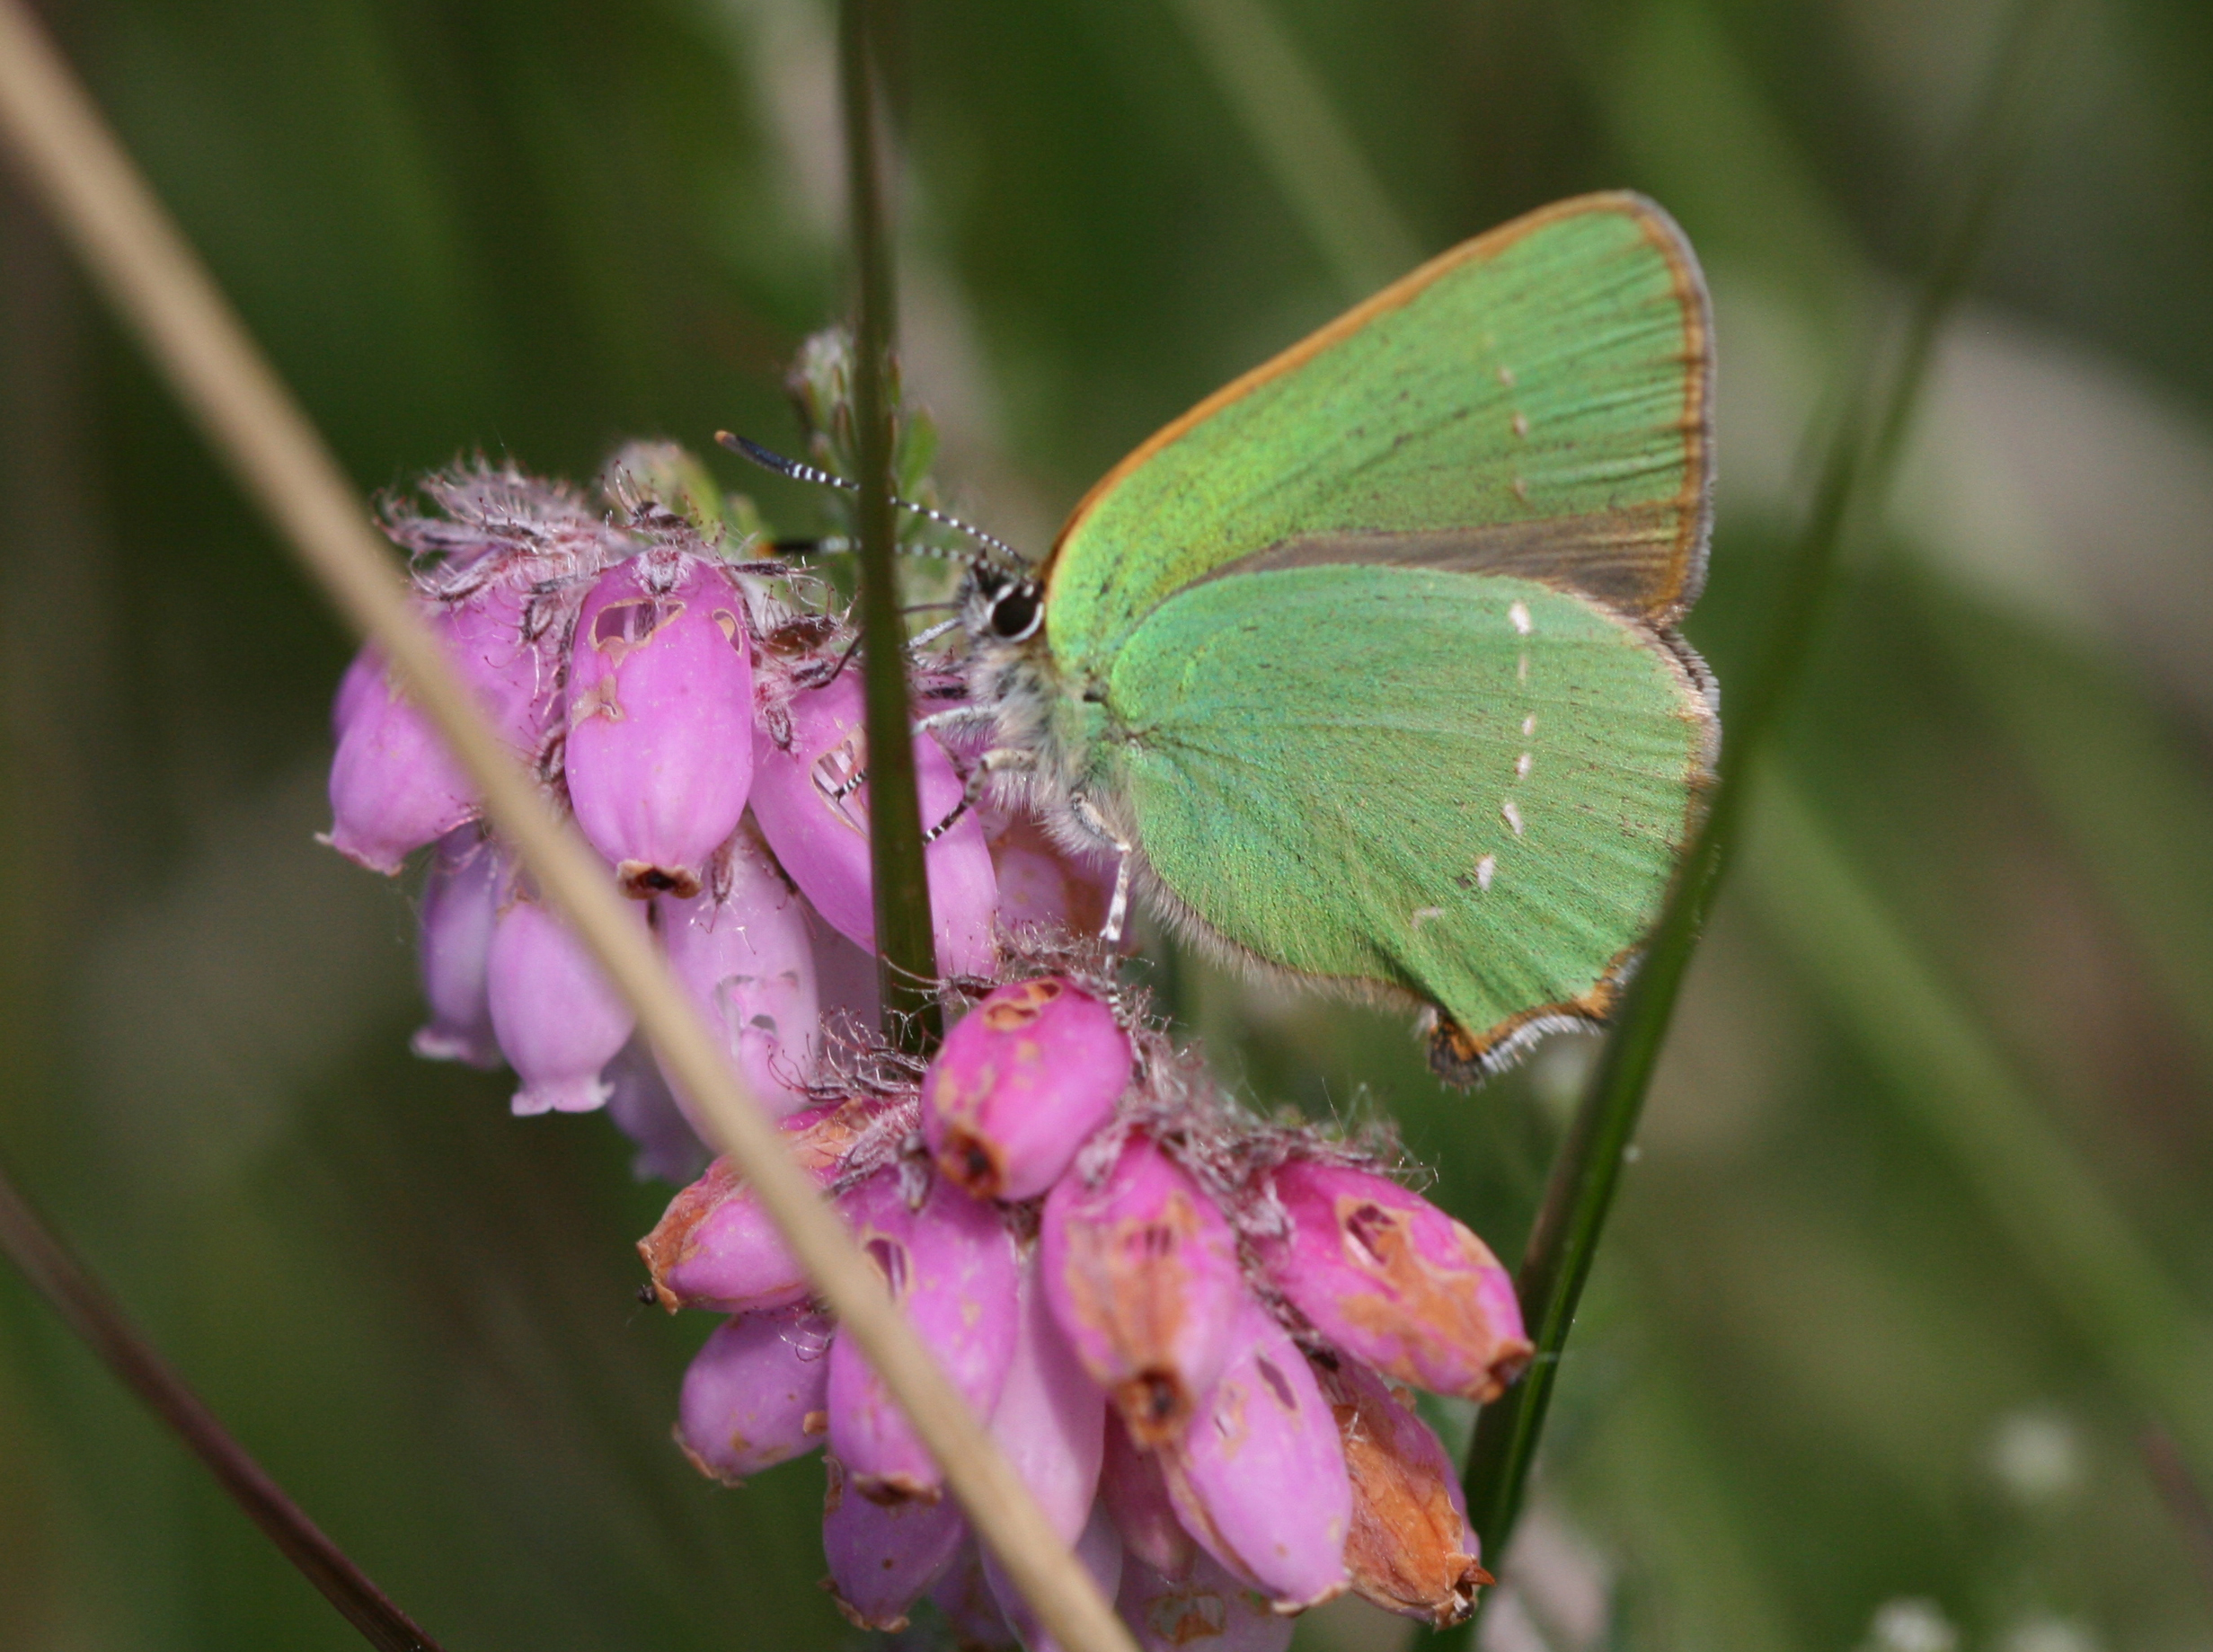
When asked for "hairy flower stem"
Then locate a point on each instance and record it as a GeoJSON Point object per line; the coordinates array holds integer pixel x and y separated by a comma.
{"type": "Point", "coordinates": [1853, 480]}
{"type": "Point", "coordinates": [87, 1309]}
{"type": "Point", "coordinates": [905, 956]}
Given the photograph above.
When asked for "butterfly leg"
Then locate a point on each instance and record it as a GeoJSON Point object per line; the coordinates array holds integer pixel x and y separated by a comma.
{"type": "Point", "coordinates": [856, 777]}
{"type": "Point", "coordinates": [955, 717]}
{"type": "Point", "coordinates": [1118, 908]}
{"type": "Point", "coordinates": [997, 761]}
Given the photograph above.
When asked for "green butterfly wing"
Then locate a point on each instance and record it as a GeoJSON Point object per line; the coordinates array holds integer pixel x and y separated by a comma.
{"type": "Point", "coordinates": [1535, 401]}
{"type": "Point", "coordinates": [1471, 789]}
{"type": "Point", "coordinates": [1371, 650]}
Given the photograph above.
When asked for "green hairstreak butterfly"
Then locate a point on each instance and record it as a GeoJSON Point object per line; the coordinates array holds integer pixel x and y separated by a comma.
{"type": "Point", "coordinates": [1366, 664]}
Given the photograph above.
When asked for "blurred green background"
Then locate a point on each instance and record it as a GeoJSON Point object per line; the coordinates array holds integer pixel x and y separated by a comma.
{"type": "Point", "coordinates": [1898, 1343]}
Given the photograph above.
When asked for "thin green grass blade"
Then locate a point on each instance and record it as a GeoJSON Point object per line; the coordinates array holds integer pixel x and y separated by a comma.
{"type": "Point", "coordinates": [906, 958]}
{"type": "Point", "coordinates": [1854, 478]}
{"type": "Point", "coordinates": [1303, 142]}
{"type": "Point", "coordinates": [93, 1315]}
{"type": "Point", "coordinates": [1954, 1084]}
{"type": "Point", "coordinates": [2087, 742]}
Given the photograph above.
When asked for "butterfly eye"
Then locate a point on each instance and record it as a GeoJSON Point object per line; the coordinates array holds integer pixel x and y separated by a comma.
{"type": "Point", "coordinates": [1015, 616]}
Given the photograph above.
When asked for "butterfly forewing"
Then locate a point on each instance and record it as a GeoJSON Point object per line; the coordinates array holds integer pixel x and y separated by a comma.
{"type": "Point", "coordinates": [1533, 401]}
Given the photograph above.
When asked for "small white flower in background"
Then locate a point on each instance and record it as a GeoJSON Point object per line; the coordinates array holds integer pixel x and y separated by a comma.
{"type": "Point", "coordinates": [1911, 1624]}
{"type": "Point", "coordinates": [2043, 1632]}
{"type": "Point", "coordinates": [2036, 1454]}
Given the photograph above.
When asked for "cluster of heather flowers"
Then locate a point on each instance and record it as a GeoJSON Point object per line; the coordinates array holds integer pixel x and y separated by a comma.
{"type": "Point", "coordinates": [690, 709]}
{"type": "Point", "coordinates": [1191, 1332]}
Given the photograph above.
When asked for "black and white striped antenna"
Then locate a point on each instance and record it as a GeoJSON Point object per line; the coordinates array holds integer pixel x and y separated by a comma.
{"type": "Point", "coordinates": [799, 472]}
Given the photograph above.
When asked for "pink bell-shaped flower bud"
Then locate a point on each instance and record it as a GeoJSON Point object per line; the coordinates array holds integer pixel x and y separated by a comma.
{"type": "Point", "coordinates": [1142, 1273]}
{"type": "Point", "coordinates": [883, 1557]}
{"type": "Point", "coordinates": [963, 1596]}
{"type": "Point", "coordinates": [951, 1267]}
{"type": "Point", "coordinates": [1259, 1477]}
{"type": "Point", "coordinates": [460, 902]}
{"type": "Point", "coordinates": [365, 676]}
{"type": "Point", "coordinates": [1033, 889]}
{"type": "Point", "coordinates": [1205, 1611]}
{"type": "Point", "coordinates": [715, 1248]}
{"type": "Point", "coordinates": [1410, 1549]}
{"type": "Point", "coordinates": [819, 829]}
{"type": "Point", "coordinates": [753, 1395]}
{"type": "Point", "coordinates": [845, 978]}
{"type": "Point", "coordinates": [394, 785]}
{"type": "Point", "coordinates": [1041, 884]}
{"type": "Point", "coordinates": [1131, 1486]}
{"type": "Point", "coordinates": [741, 951]}
{"type": "Point", "coordinates": [1021, 1082]}
{"type": "Point", "coordinates": [1098, 1549]}
{"type": "Point", "coordinates": [640, 1106]}
{"type": "Point", "coordinates": [1395, 1282]}
{"type": "Point", "coordinates": [1050, 1421]}
{"type": "Point", "coordinates": [516, 678]}
{"type": "Point", "coordinates": [558, 1020]}
{"type": "Point", "coordinates": [660, 718]}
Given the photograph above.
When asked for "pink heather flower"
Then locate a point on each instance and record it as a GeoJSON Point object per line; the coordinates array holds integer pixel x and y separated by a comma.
{"type": "Point", "coordinates": [641, 1106]}
{"type": "Point", "coordinates": [1040, 884]}
{"type": "Point", "coordinates": [821, 839]}
{"type": "Point", "coordinates": [1395, 1282]}
{"type": "Point", "coordinates": [1259, 1477]}
{"type": "Point", "coordinates": [1033, 889]}
{"type": "Point", "coordinates": [963, 1595]}
{"type": "Point", "coordinates": [1142, 1273]}
{"type": "Point", "coordinates": [1131, 1486]}
{"type": "Point", "coordinates": [515, 679]}
{"type": "Point", "coordinates": [950, 1267]}
{"type": "Point", "coordinates": [365, 676]}
{"type": "Point", "coordinates": [883, 1557]}
{"type": "Point", "coordinates": [753, 1396]}
{"type": "Point", "coordinates": [394, 785]}
{"type": "Point", "coordinates": [741, 951]}
{"type": "Point", "coordinates": [1052, 1418]}
{"type": "Point", "coordinates": [1410, 1549]}
{"type": "Point", "coordinates": [1023, 1081]}
{"type": "Point", "coordinates": [558, 1020]}
{"type": "Point", "coordinates": [460, 902]}
{"type": "Point", "coordinates": [1206, 1610]}
{"type": "Point", "coordinates": [1098, 1549]}
{"type": "Point", "coordinates": [715, 1248]}
{"type": "Point", "coordinates": [659, 754]}
{"type": "Point", "coordinates": [845, 979]}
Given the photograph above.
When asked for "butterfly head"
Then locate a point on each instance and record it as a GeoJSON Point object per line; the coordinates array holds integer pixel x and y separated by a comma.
{"type": "Point", "coordinates": [1001, 606]}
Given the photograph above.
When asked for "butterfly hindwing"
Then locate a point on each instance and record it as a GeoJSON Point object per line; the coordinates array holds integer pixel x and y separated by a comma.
{"type": "Point", "coordinates": [1469, 789]}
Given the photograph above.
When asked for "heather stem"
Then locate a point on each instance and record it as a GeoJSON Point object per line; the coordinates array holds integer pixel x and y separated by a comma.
{"type": "Point", "coordinates": [906, 961]}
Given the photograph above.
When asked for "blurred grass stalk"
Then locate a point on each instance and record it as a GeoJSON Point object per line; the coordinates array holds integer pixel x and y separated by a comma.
{"type": "Point", "coordinates": [103, 1325]}
{"type": "Point", "coordinates": [1308, 150]}
{"type": "Point", "coordinates": [136, 254]}
{"type": "Point", "coordinates": [1943, 1073]}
